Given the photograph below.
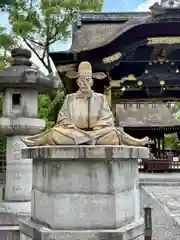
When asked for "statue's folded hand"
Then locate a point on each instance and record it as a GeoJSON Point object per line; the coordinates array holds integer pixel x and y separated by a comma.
{"type": "Point", "coordinates": [97, 128]}
{"type": "Point", "coordinates": [120, 128]}
{"type": "Point", "coordinates": [70, 126]}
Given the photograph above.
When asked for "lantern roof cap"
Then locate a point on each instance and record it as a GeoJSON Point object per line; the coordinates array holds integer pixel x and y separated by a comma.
{"type": "Point", "coordinates": [22, 74]}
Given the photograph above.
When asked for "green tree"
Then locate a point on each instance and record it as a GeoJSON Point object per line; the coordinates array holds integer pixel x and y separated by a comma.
{"type": "Point", "coordinates": [4, 3]}
{"type": "Point", "coordinates": [49, 105]}
{"type": "Point", "coordinates": [42, 23]}
{"type": "Point", "coordinates": [7, 43]}
{"type": "Point", "coordinates": [171, 140]}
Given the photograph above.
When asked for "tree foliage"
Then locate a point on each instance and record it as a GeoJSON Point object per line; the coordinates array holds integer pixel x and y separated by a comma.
{"type": "Point", "coordinates": [7, 42]}
{"type": "Point", "coordinates": [42, 23]}
{"type": "Point", "coordinates": [49, 106]}
{"type": "Point", "coordinates": [171, 140]}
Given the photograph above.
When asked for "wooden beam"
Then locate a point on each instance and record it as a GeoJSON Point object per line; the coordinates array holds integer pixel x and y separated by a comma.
{"type": "Point", "coordinates": [145, 99]}
{"type": "Point", "coordinates": [66, 68]}
{"type": "Point", "coordinates": [115, 83]}
{"type": "Point", "coordinates": [107, 91]}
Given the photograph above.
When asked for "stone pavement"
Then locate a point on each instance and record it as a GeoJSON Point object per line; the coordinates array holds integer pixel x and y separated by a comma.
{"type": "Point", "coordinates": [165, 203]}
{"type": "Point", "coordinates": [168, 197]}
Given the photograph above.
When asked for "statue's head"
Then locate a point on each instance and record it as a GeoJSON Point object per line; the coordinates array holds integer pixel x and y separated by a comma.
{"type": "Point", "coordinates": [85, 76]}
{"type": "Point", "coordinates": [85, 80]}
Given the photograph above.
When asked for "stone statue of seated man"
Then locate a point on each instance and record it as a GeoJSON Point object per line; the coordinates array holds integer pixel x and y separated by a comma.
{"type": "Point", "coordinates": [85, 118]}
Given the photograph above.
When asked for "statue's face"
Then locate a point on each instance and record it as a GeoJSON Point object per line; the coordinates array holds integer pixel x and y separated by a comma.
{"type": "Point", "coordinates": [85, 83]}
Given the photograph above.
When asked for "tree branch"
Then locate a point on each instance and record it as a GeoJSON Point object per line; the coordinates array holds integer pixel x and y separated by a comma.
{"type": "Point", "coordinates": [54, 35]}
{"type": "Point", "coordinates": [37, 55]}
{"type": "Point", "coordinates": [33, 41]}
{"type": "Point", "coordinates": [47, 49]}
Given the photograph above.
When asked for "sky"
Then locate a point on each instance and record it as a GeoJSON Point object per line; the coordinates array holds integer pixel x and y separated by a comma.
{"type": "Point", "coordinates": [109, 6]}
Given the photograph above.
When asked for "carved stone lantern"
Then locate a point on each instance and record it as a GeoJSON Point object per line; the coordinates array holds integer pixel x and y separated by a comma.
{"type": "Point", "coordinates": [20, 84]}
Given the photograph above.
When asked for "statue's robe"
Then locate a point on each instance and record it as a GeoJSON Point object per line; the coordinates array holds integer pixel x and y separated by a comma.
{"type": "Point", "coordinates": [83, 119]}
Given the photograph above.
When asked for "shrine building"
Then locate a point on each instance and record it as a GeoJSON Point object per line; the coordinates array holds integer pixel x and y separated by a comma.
{"type": "Point", "coordinates": [140, 54]}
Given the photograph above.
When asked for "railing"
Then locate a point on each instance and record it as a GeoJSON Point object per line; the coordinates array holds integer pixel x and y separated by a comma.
{"type": "Point", "coordinates": [141, 164]}
{"type": "Point", "coordinates": [162, 165]}
{"type": "Point", "coordinates": [174, 166]}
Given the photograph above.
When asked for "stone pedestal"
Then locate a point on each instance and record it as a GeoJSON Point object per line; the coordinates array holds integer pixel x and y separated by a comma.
{"type": "Point", "coordinates": [81, 188]}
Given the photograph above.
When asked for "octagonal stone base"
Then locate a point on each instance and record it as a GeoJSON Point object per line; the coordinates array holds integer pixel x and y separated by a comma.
{"type": "Point", "coordinates": [85, 187]}
{"type": "Point", "coordinates": [31, 230]}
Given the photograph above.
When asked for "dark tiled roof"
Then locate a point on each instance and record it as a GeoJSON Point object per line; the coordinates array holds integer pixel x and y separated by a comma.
{"type": "Point", "coordinates": [90, 36]}
{"type": "Point", "coordinates": [99, 29]}
{"type": "Point", "coordinates": [144, 115]}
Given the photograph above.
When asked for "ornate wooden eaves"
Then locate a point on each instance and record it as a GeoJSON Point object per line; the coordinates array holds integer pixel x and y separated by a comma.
{"type": "Point", "coordinates": [91, 17]}
{"type": "Point", "coordinates": [67, 67]}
